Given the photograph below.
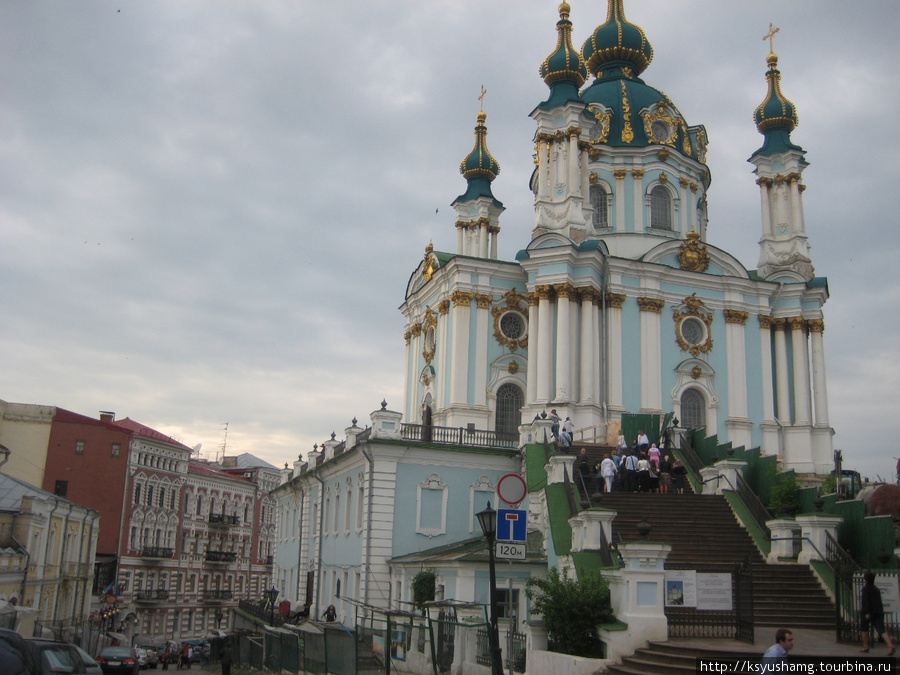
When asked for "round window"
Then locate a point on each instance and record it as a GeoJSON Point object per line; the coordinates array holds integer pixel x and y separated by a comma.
{"type": "Point", "coordinates": [512, 325]}
{"type": "Point", "coordinates": [693, 331]}
{"type": "Point", "coordinates": [660, 131]}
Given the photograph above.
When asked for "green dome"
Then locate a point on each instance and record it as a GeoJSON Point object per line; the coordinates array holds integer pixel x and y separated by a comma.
{"type": "Point", "coordinates": [565, 63]}
{"type": "Point", "coordinates": [617, 43]}
{"type": "Point", "coordinates": [776, 110]}
{"type": "Point", "coordinates": [479, 163]}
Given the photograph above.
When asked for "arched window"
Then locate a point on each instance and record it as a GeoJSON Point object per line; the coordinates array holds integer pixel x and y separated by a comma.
{"type": "Point", "coordinates": [660, 208]}
{"type": "Point", "coordinates": [693, 409]}
{"type": "Point", "coordinates": [600, 218]}
{"type": "Point", "coordinates": [509, 401]}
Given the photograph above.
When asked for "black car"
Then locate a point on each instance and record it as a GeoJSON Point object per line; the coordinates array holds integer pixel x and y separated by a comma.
{"type": "Point", "coordinates": [53, 656]}
{"type": "Point", "coordinates": [118, 660]}
{"type": "Point", "coordinates": [15, 655]}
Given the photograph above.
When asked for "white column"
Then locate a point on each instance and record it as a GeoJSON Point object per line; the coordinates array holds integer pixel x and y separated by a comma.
{"type": "Point", "coordinates": [543, 158]}
{"type": "Point", "coordinates": [563, 341]}
{"type": "Point", "coordinates": [585, 175]}
{"type": "Point", "coordinates": [781, 378]}
{"type": "Point", "coordinates": [637, 183]}
{"type": "Point", "coordinates": [574, 180]}
{"type": "Point", "coordinates": [410, 375]}
{"type": "Point", "coordinates": [443, 351]}
{"type": "Point", "coordinates": [765, 346]}
{"type": "Point", "coordinates": [460, 238]}
{"type": "Point", "coordinates": [651, 359]}
{"type": "Point", "coordinates": [797, 225]}
{"type": "Point", "coordinates": [483, 232]}
{"type": "Point", "coordinates": [482, 317]}
{"type": "Point", "coordinates": [764, 184]}
{"type": "Point", "coordinates": [781, 212]}
{"type": "Point", "coordinates": [620, 199]}
{"type": "Point", "coordinates": [589, 346]}
{"type": "Point", "coordinates": [495, 233]}
{"type": "Point", "coordinates": [802, 402]}
{"type": "Point", "coordinates": [737, 365]}
{"type": "Point", "coordinates": [460, 371]}
{"type": "Point", "coordinates": [614, 332]}
{"type": "Point", "coordinates": [816, 330]}
{"type": "Point", "coordinates": [685, 225]}
{"type": "Point", "coordinates": [691, 207]}
{"type": "Point", "coordinates": [531, 381]}
{"type": "Point", "coordinates": [545, 345]}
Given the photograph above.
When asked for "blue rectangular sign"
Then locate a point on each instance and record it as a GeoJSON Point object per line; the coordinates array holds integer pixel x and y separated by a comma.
{"type": "Point", "coordinates": [511, 524]}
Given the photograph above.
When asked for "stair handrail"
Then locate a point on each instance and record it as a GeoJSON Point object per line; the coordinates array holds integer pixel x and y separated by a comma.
{"type": "Point", "coordinates": [822, 557]}
{"type": "Point", "coordinates": [748, 498]}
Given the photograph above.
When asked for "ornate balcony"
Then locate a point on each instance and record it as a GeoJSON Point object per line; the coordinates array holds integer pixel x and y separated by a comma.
{"type": "Point", "coordinates": [157, 552]}
{"type": "Point", "coordinates": [217, 557]}
{"type": "Point", "coordinates": [215, 596]}
{"type": "Point", "coordinates": [155, 595]}
{"type": "Point", "coordinates": [222, 520]}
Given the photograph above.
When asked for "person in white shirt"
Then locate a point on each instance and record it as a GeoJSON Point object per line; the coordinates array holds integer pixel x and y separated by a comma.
{"type": "Point", "coordinates": [608, 472]}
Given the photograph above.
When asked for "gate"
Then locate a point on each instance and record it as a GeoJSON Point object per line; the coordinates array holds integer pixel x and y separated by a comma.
{"type": "Point", "coordinates": [735, 623]}
{"type": "Point", "coordinates": [444, 644]}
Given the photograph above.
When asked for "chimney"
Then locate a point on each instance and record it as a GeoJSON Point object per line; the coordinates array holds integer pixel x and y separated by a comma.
{"type": "Point", "coordinates": [106, 416]}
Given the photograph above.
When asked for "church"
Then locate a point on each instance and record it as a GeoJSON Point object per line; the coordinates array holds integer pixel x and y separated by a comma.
{"type": "Point", "coordinates": [618, 304]}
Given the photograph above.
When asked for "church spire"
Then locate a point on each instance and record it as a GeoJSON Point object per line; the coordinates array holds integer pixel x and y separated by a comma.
{"type": "Point", "coordinates": [617, 43]}
{"type": "Point", "coordinates": [563, 70]}
{"type": "Point", "coordinates": [477, 208]}
{"type": "Point", "coordinates": [784, 249]}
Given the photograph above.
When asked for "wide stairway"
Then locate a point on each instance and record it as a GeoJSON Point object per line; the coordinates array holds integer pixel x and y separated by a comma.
{"type": "Point", "coordinates": [703, 531]}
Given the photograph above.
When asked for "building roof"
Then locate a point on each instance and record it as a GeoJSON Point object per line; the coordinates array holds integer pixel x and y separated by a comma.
{"type": "Point", "coordinates": [14, 490]}
{"type": "Point", "coordinates": [145, 431]}
{"type": "Point", "coordinates": [246, 460]}
{"type": "Point", "coordinates": [204, 469]}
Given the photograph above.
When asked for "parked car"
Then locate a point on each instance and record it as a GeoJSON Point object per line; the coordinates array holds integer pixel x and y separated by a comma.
{"type": "Point", "coordinates": [90, 665]}
{"type": "Point", "coordinates": [152, 654]}
{"type": "Point", "coordinates": [54, 656]}
{"type": "Point", "coordinates": [118, 660]}
{"type": "Point", "coordinates": [15, 655]}
{"type": "Point", "coordinates": [141, 657]}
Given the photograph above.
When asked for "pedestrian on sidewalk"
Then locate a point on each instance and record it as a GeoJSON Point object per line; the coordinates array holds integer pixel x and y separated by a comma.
{"type": "Point", "coordinates": [872, 611]}
{"type": "Point", "coordinates": [226, 658]}
{"type": "Point", "coordinates": [777, 653]}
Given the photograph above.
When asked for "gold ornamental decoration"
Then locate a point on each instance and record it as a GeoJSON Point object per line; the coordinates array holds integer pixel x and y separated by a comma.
{"type": "Point", "coordinates": [670, 122]}
{"type": "Point", "coordinates": [430, 263]}
{"type": "Point", "coordinates": [429, 328]}
{"type": "Point", "coordinates": [517, 303]}
{"type": "Point", "coordinates": [736, 316]}
{"type": "Point", "coordinates": [693, 256]}
{"type": "Point", "coordinates": [627, 131]}
{"type": "Point", "coordinates": [654, 305]}
{"type": "Point", "coordinates": [687, 315]}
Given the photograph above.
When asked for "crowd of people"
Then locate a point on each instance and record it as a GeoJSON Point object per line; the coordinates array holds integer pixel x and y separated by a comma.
{"type": "Point", "coordinates": [641, 467]}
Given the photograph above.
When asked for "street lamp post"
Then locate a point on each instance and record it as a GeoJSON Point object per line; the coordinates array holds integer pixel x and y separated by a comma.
{"type": "Point", "coordinates": [488, 521]}
{"type": "Point", "coordinates": [219, 617]}
{"type": "Point", "coordinates": [271, 596]}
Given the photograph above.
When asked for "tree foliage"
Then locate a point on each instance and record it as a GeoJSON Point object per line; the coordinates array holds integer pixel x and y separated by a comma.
{"type": "Point", "coordinates": [572, 610]}
{"type": "Point", "coordinates": [423, 587]}
{"type": "Point", "coordinates": [784, 496]}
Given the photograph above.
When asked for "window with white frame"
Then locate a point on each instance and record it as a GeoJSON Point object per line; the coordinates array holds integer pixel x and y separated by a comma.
{"type": "Point", "coordinates": [431, 507]}
{"type": "Point", "coordinates": [348, 515]}
{"type": "Point", "coordinates": [693, 409]}
{"type": "Point", "coordinates": [660, 208]}
{"type": "Point", "coordinates": [600, 215]}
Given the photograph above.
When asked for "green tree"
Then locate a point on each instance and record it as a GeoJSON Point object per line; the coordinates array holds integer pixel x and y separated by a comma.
{"type": "Point", "coordinates": [423, 587]}
{"type": "Point", "coordinates": [572, 610]}
{"type": "Point", "coordinates": [784, 496]}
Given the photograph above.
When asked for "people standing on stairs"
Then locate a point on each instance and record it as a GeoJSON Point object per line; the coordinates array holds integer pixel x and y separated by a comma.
{"type": "Point", "coordinates": [665, 475]}
{"type": "Point", "coordinates": [631, 473]}
{"type": "Point", "coordinates": [582, 464]}
{"type": "Point", "coordinates": [872, 611]}
{"type": "Point", "coordinates": [643, 473]}
{"type": "Point", "coordinates": [653, 454]}
{"type": "Point", "coordinates": [608, 472]}
{"type": "Point", "coordinates": [568, 428]}
{"type": "Point", "coordinates": [643, 442]}
{"type": "Point", "coordinates": [621, 445]}
{"type": "Point", "coordinates": [554, 428]}
{"type": "Point", "coordinates": [563, 443]}
{"type": "Point", "coordinates": [679, 475]}
{"type": "Point", "coordinates": [777, 653]}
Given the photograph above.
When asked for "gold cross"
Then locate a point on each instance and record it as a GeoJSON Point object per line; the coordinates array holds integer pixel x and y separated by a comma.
{"type": "Point", "coordinates": [770, 36]}
{"type": "Point", "coordinates": [481, 97]}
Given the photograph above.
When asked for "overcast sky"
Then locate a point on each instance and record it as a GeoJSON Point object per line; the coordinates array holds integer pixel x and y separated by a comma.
{"type": "Point", "coordinates": [209, 210]}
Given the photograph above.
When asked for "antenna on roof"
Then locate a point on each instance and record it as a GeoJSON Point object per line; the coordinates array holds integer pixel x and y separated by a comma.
{"type": "Point", "coordinates": [196, 449]}
{"type": "Point", "coordinates": [224, 443]}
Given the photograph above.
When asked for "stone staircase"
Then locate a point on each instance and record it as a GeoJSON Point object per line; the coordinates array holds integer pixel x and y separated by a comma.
{"type": "Point", "coordinates": [704, 531]}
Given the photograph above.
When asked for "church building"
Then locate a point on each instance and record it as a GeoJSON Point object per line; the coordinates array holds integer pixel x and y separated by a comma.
{"type": "Point", "coordinates": [618, 303]}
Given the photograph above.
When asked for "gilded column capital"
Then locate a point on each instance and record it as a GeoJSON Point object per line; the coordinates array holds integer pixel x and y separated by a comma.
{"type": "Point", "coordinates": [793, 177]}
{"type": "Point", "coordinates": [416, 329]}
{"type": "Point", "coordinates": [654, 305]}
{"type": "Point", "coordinates": [779, 324]}
{"type": "Point", "coordinates": [797, 323]}
{"type": "Point", "coordinates": [764, 181]}
{"type": "Point", "coordinates": [462, 225]}
{"type": "Point", "coordinates": [407, 336]}
{"type": "Point", "coordinates": [779, 180]}
{"type": "Point", "coordinates": [589, 293]}
{"type": "Point", "coordinates": [483, 300]}
{"type": "Point", "coordinates": [494, 229]}
{"type": "Point", "coordinates": [484, 222]}
{"type": "Point", "coordinates": [684, 182]}
{"type": "Point", "coordinates": [444, 307]}
{"type": "Point", "coordinates": [736, 316]}
{"type": "Point", "coordinates": [461, 298]}
{"type": "Point", "coordinates": [801, 187]}
{"type": "Point", "coordinates": [564, 290]}
{"type": "Point", "coordinates": [637, 173]}
{"type": "Point", "coordinates": [573, 131]}
{"type": "Point", "coordinates": [615, 300]}
{"type": "Point", "coordinates": [544, 291]}
{"type": "Point", "coordinates": [533, 298]}
{"type": "Point", "coordinates": [816, 325]}
{"type": "Point", "coordinates": [584, 146]}
{"type": "Point", "coordinates": [620, 173]}
{"type": "Point", "coordinates": [694, 187]}
{"type": "Point", "coordinates": [765, 321]}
